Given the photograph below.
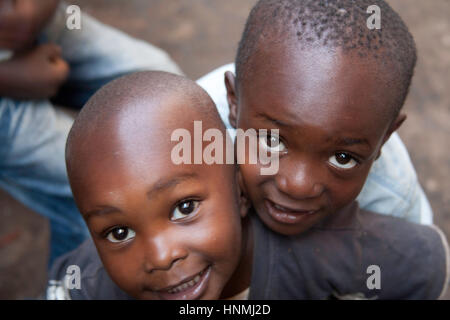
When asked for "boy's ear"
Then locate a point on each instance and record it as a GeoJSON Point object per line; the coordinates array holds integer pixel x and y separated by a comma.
{"type": "Point", "coordinates": [393, 127]}
{"type": "Point", "coordinates": [231, 97]}
{"type": "Point", "coordinates": [244, 202]}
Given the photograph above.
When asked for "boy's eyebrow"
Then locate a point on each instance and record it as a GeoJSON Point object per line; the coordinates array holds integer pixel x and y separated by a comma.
{"type": "Point", "coordinates": [274, 121]}
{"type": "Point", "coordinates": [166, 183]}
{"type": "Point", "coordinates": [351, 141]}
{"type": "Point", "coordinates": [158, 187]}
{"type": "Point", "coordinates": [99, 212]}
{"type": "Point", "coordinates": [339, 141]}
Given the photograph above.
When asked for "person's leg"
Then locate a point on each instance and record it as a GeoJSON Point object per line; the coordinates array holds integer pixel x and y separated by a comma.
{"type": "Point", "coordinates": [32, 168]}
{"type": "Point", "coordinates": [97, 54]}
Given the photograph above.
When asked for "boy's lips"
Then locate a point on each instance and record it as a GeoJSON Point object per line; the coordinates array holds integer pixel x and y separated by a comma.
{"type": "Point", "coordinates": [287, 215]}
{"type": "Point", "coordinates": [188, 289]}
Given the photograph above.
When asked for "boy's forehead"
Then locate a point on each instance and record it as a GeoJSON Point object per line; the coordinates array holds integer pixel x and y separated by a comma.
{"type": "Point", "coordinates": [317, 79]}
{"type": "Point", "coordinates": [137, 146]}
{"type": "Point", "coordinates": [141, 169]}
{"type": "Point", "coordinates": [140, 124]}
{"type": "Point", "coordinates": [307, 67]}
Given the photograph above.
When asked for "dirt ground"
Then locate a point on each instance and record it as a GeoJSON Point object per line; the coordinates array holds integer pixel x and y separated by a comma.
{"type": "Point", "coordinates": [203, 34]}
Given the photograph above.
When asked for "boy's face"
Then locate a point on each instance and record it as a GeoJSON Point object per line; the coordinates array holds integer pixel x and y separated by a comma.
{"type": "Point", "coordinates": [22, 21]}
{"type": "Point", "coordinates": [330, 109]}
{"type": "Point", "coordinates": [163, 231]}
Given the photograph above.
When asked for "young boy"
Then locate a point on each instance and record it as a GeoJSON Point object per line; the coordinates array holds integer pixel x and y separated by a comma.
{"type": "Point", "coordinates": [50, 59]}
{"type": "Point", "coordinates": [163, 231]}
{"type": "Point", "coordinates": [307, 52]}
{"type": "Point", "coordinates": [181, 231]}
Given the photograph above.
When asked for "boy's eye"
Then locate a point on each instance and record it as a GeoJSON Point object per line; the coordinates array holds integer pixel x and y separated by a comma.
{"type": "Point", "coordinates": [120, 234]}
{"type": "Point", "coordinates": [342, 160]}
{"type": "Point", "coordinates": [271, 143]}
{"type": "Point", "coordinates": [184, 209]}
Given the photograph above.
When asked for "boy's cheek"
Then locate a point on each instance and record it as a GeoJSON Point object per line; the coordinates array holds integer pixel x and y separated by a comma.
{"type": "Point", "coordinates": [123, 271]}
{"type": "Point", "coordinates": [221, 236]}
{"type": "Point", "coordinates": [345, 193]}
{"type": "Point", "coordinates": [252, 178]}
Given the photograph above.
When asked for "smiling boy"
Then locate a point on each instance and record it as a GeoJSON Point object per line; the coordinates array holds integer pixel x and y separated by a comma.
{"type": "Point", "coordinates": [334, 88]}
{"type": "Point", "coordinates": [162, 230]}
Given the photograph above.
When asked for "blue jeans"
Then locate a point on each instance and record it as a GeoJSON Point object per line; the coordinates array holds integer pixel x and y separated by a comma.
{"type": "Point", "coordinates": [33, 133]}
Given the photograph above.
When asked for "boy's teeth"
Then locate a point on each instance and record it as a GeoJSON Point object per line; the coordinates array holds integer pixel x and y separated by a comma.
{"type": "Point", "coordinates": [281, 208]}
{"type": "Point", "coordinates": [185, 285]}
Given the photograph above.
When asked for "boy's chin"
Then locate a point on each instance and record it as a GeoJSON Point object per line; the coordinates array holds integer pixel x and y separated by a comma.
{"type": "Point", "coordinates": [291, 230]}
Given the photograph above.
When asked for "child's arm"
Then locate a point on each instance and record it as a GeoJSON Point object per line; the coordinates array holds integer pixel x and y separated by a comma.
{"type": "Point", "coordinates": [36, 74]}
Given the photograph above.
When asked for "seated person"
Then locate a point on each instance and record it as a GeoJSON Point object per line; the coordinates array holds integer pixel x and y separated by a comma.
{"type": "Point", "coordinates": [162, 230]}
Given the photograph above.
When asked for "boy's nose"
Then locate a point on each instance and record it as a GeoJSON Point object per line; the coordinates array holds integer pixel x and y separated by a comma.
{"type": "Point", "coordinates": [300, 180]}
{"type": "Point", "coordinates": [161, 253]}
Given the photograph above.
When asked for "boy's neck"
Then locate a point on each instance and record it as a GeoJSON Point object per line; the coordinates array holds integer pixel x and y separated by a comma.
{"type": "Point", "coordinates": [343, 218]}
{"type": "Point", "coordinates": [240, 280]}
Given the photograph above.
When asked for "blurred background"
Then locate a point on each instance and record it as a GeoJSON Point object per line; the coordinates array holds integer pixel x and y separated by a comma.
{"type": "Point", "coordinates": [201, 35]}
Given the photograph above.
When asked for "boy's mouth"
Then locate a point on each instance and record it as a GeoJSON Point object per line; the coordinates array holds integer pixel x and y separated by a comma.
{"type": "Point", "coordinates": [190, 288]}
{"type": "Point", "coordinates": [287, 215]}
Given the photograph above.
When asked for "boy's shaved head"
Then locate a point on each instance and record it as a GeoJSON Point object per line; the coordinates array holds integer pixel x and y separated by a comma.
{"type": "Point", "coordinates": [333, 87]}
{"type": "Point", "coordinates": [332, 24]}
{"type": "Point", "coordinates": [136, 96]}
{"type": "Point", "coordinates": [163, 229]}
{"type": "Point", "coordinates": [141, 92]}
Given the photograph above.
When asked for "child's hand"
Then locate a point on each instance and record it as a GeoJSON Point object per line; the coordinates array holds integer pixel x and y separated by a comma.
{"type": "Point", "coordinates": [36, 74]}
{"type": "Point", "coordinates": [22, 20]}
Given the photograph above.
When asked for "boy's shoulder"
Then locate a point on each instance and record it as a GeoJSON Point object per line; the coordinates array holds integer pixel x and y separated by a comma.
{"type": "Point", "coordinates": [80, 275]}
{"type": "Point", "coordinates": [358, 254]}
